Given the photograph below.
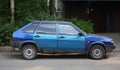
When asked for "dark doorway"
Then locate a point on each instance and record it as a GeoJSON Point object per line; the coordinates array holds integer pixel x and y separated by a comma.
{"type": "Point", "coordinates": [98, 15]}
{"type": "Point", "coordinates": [104, 14]}
{"type": "Point", "coordinates": [117, 19]}
{"type": "Point", "coordinates": [74, 9]}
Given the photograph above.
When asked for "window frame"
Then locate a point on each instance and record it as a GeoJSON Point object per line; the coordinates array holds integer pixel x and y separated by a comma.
{"type": "Point", "coordinates": [66, 33]}
{"type": "Point", "coordinates": [24, 30]}
{"type": "Point", "coordinates": [46, 32]}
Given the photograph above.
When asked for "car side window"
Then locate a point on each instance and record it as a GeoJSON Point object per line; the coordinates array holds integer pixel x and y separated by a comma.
{"type": "Point", "coordinates": [46, 28]}
{"type": "Point", "coordinates": [30, 29]}
{"type": "Point", "coordinates": [67, 29]}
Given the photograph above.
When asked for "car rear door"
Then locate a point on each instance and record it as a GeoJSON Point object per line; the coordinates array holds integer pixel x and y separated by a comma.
{"type": "Point", "coordinates": [68, 38]}
{"type": "Point", "coordinates": [46, 37]}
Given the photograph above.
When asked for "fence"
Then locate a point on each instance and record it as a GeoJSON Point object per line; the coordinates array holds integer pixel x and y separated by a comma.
{"type": "Point", "coordinates": [6, 49]}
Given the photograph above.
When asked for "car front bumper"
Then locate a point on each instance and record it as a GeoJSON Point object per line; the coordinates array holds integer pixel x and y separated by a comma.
{"type": "Point", "coordinates": [110, 48]}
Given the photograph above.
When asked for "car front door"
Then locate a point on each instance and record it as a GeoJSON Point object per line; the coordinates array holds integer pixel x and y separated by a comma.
{"type": "Point", "coordinates": [68, 38]}
{"type": "Point", "coordinates": [46, 37]}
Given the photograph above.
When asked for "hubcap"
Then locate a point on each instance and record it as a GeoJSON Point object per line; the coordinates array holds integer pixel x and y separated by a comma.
{"type": "Point", "coordinates": [29, 53]}
{"type": "Point", "coordinates": [97, 53]}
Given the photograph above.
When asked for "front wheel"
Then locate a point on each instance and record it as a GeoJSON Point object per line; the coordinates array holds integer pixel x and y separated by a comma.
{"type": "Point", "coordinates": [97, 52]}
{"type": "Point", "coordinates": [29, 52]}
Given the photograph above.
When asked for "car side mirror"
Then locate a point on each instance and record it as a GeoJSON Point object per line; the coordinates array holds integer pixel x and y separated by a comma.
{"type": "Point", "coordinates": [80, 34]}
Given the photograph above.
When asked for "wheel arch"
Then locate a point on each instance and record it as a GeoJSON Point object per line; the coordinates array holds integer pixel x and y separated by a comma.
{"type": "Point", "coordinates": [98, 43]}
{"type": "Point", "coordinates": [33, 43]}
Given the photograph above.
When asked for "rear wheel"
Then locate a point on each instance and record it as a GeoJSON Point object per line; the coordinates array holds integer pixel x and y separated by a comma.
{"type": "Point", "coordinates": [97, 52]}
{"type": "Point", "coordinates": [29, 52]}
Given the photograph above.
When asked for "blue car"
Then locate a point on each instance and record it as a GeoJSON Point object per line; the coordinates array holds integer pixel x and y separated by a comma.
{"type": "Point", "coordinates": [59, 37]}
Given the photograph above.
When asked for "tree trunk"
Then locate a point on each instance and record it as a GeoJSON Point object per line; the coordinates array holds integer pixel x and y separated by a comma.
{"type": "Point", "coordinates": [52, 8]}
{"type": "Point", "coordinates": [12, 10]}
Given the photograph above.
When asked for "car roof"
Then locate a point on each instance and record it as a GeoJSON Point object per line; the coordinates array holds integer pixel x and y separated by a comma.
{"type": "Point", "coordinates": [64, 22]}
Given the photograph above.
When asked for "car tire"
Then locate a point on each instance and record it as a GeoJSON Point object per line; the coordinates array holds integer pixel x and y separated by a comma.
{"type": "Point", "coordinates": [29, 52]}
{"type": "Point", "coordinates": [97, 52]}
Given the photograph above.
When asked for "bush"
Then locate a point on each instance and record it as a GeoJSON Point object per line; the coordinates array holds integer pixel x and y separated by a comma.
{"type": "Point", "coordinates": [6, 32]}
{"type": "Point", "coordinates": [7, 29]}
{"type": "Point", "coordinates": [27, 11]}
{"type": "Point", "coordinates": [86, 26]}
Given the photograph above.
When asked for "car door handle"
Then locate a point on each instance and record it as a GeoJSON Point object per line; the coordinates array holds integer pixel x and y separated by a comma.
{"type": "Point", "coordinates": [37, 36]}
{"type": "Point", "coordinates": [61, 37]}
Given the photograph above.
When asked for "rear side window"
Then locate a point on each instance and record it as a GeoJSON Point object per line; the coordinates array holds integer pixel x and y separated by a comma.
{"type": "Point", "coordinates": [47, 29]}
{"type": "Point", "coordinates": [30, 29]}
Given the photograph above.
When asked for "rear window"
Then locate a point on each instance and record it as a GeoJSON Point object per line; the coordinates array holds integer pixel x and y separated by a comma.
{"type": "Point", "coordinates": [30, 29]}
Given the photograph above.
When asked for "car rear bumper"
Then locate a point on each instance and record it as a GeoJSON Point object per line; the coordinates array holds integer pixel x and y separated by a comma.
{"type": "Point", "coordinates": [16, 46]}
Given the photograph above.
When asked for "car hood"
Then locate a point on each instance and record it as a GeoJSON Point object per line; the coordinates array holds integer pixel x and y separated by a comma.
{"type": "Point", "coordinates": [93, 37]}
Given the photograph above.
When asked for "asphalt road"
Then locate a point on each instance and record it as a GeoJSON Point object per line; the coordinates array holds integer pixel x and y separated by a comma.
{"type": "Point", "coordinates": [79, 62]}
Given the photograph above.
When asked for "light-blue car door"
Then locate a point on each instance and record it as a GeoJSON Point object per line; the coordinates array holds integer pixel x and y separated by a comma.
{"type": "Point", "coordinates": [46, 37]}
{"type": "Point", "coordinates": [68, 38]}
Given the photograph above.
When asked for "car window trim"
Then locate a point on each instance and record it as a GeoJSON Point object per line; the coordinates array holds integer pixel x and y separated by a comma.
{"type": "Point", "coordinates": [46, 32]}
{"type": "Point", "coordinates": [68, 34]}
